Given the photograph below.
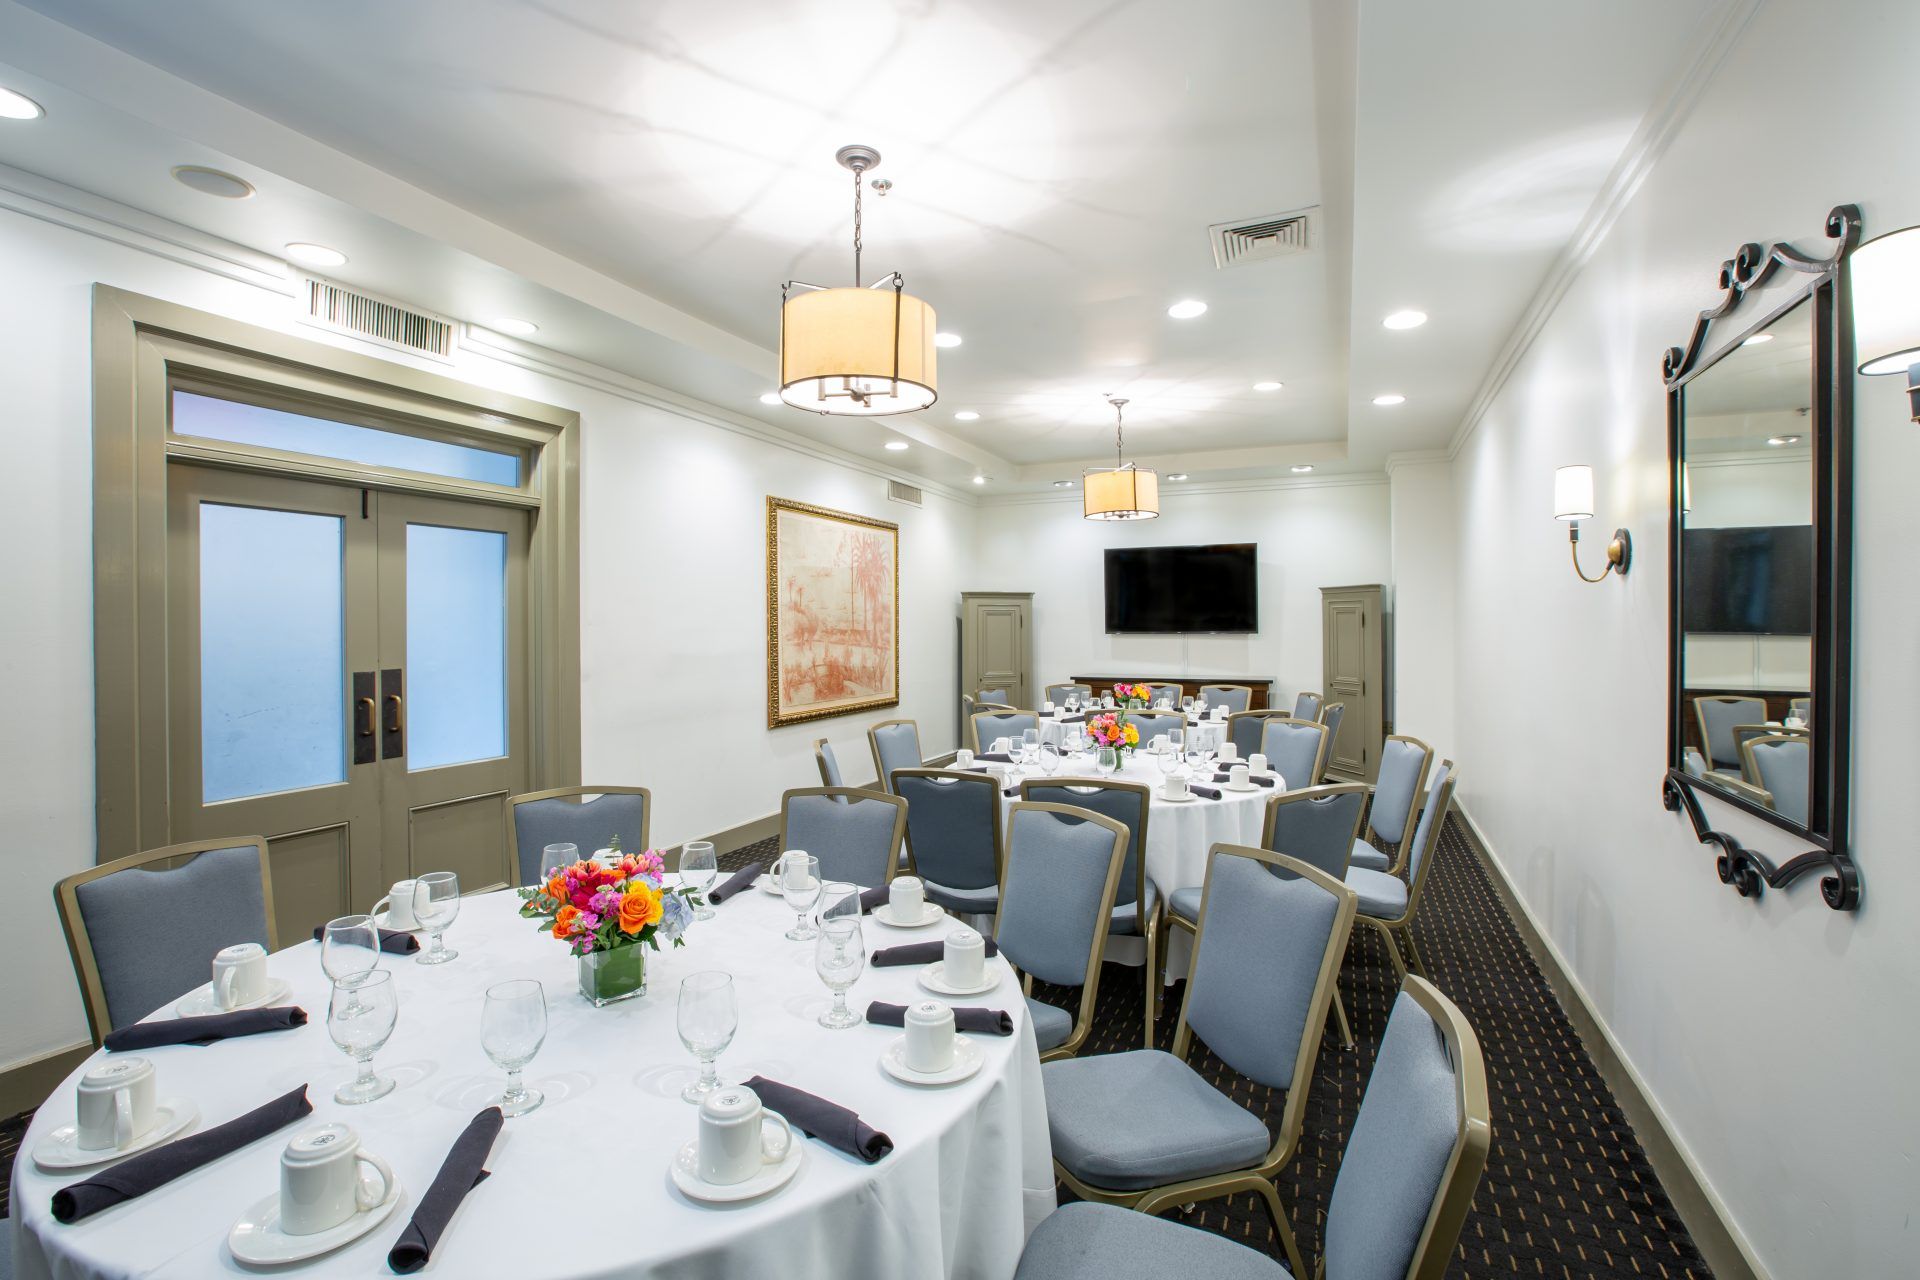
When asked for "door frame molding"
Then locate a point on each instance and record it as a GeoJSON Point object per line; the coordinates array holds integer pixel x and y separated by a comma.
{"type": "Point", "coordinates": [139, 345]}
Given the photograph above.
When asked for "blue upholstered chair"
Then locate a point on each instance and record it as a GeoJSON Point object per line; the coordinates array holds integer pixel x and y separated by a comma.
{"type": "Point", "coordinates": [1246, 728]}
{"type": "Point", "coordinates": [1331, 715]}
{"type": "Point", "coordinates": [1780, 764]}
{"type": "Point", "coordinates": [143, 932]}
{"type": "Point", "coordinates": [1136, 905]}
{"type": "Point", "coordinates": [856, 834]}
{"type": "Point", "coordinates": [1295, 749]}
{"type": "Point", "coordinates": [1171, 692]}
{"type": "Point", "coordinates": [1387, 902]}
{"type": "Point", "coordinates": [896, 745]}
{"type": "Point", "coordinates": [1307, 706]}
{"type": "Point", "coordinates": [1415, 1156]}
{"type": "Point", "coordinates": [988, 725]}
{"type": "Point", "coordinates": [1063, 867]}
{"type": "Point", "coordinates": [990, 695]}
{"type": "Point", "coordinates": [1057, 693]}
{"type": "Point", "coordinates": [1391, 816]}
{"type": "Point", "coordinates": [589, 817]}
{"type": "Point", "coordinates": [1801, 707]}
{"type": "Point", "coordinates": [1143, 1129]}
{"type": "Point", "coordinates": [830, 775]}
{"type": "Point", "coordinates": [954, 837]}
{"type": "Point", "coordinates": [1717, 715]}
{"type": "Point", "coordinates": [1234, 697]}
{"type": "Point", "coordinates": [1151, 723]}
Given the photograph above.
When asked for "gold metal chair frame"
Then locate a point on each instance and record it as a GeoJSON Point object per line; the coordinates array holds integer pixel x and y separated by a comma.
{"type": "Point", "coordinates": [66, 901]}
{"type": "Point", "coordinates": [1085, 690]}
{"type": "Point", "coordinates": [850, 794]}
{"type": "Point", "coordinates": [820, 760]}
{"type": "Point", "coordinates": [1319, 754]}
{"type": "Point", "coordinates": [1746, 733]}
{"type": "Point", "coordinates": [999, 818]}
{"type": "Point", "coordinates": [1269, 714]}
{"type": "Point", "coordinates": [1090, 989]}
{"type": "Point", "coordinates": [556, 793]}
{"type": "Point", "coordinates": [973, 722]}
{"type": "Point", "coordinates": [1397, 857]}
{"type": "Point", "coordinates": [1205, 689]}
{"type": "Point", "coordinates": [873, 745]}
{"type": "Point", "coordinates": [1754, 788]}
{"type": "Point", "coordinates": [1700, 718]}
{"type": "Point", "coordinates": [1404, 921]}
{"type": "Point", "coordinates": [1258, 1178]}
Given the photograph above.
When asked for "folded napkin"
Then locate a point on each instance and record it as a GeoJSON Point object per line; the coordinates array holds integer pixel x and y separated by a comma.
{"type": "Point", "coordinates": [833, 1124]}
{"type": "Point", "coordinates": [459, 1173]}
{"type": "Point", "coordinates": [988, 1021]}
{"type": "Point", "coordinates": [1254, 778]}
{"type": "Point", "coordinates": [920, 953]}
{"type": "Point", "coordinates": [1200, 789]}
{"type": "Point", "coordinates": [392, 941]}
{"type": "Point", "coordinates": [741, 879]}
{"type": "Point", "coordinates": [1073, 719]}
{"type": "Point", "coordinates": [872, 898]}
{"type": "Point", "coordinates": [995, 757]}
{"type": "Point", "coordinates": [214, 1026]}
{"type": "Point", "coordinates": [158, 1167]}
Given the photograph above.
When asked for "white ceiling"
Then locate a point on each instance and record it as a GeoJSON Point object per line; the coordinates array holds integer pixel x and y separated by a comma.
{"type": "Point", "coordinates": [640, 179]}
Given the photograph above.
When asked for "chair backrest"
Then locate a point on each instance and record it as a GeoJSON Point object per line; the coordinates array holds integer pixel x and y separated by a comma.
{"type": "Point", "coordinates": [1063, 865]}
{"type": "Point", "coordinates": [1307, 706]}
{"type": "Point", "coordinates": [1152, 723]}
{"type": "Point", "coordinates": [1802, 707]}
{"type": "Point", "coordinates": [1717, 715]}
{"type": "Point", "coordinates": [1426, 836]}
{"type": "Point", "coordinates": [1418, 1146]}
{"type": "Point", "coordinates": [1317, 825]}
{"type": "Point", "coordinates": [991, 695]}
{"type": "Point", "coordinates": [1059, 692]}
{"type": "Point", "coordinates": [141, 934]}
{"type": "Point", "coordinates": [1781, 763]}
{"type": "Point", "coordinates": [1296, 749]}
{"type": "Point", "coordinates": [1245, 728]}
{"type": "Point", "coordinates": [823, 756]}
{"type": "Point", "coordinates": [953, 826]}
{"type": "Point", "coordinates": [988, 725]}
{"type": "Point", "coordinates": [586, 816]}
{"type": "Point", "coordinates": [896, 745]}
{"type": "Point", "coordinates": [1331, 715]}
{"type": "Point", "coordinates": [1234, 697]}
{"type": "Point", "coordinates": [1127, 803]}
{"type": "Point", "coordinates": [1404, 763]}
{"type": "Point", "coordinates": [855, 833]}
{"type": "Point", "coordinates": [1171, 692]}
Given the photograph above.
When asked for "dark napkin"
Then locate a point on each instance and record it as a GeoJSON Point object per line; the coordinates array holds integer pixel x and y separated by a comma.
{"type": "Point", "coordinates": [215, 1026]}
{"type": "Point", "coordinates": [459, 1173]}
{"type": "Point", "coordinates": [995, 757]}
{"type": "Point", "coordinates": [158, 1167]}
{"type": "Point", "coordinates": [1200, 789]}
{"type": "Point", "coordinates": [990, 1021]}
{"type": "Point", "coordinates": [741, 879]}
{"type": "Point", "coordinates": [833, 1124]}
{"type": "Point", "coordinates": [1254, 778]}
{"type": "Point", "coordinates": [392, 941]}
{"type": "Point", "coordinates": [1079, 719]}
{"type": "Point", "coordinates": [920, 953]}
{"type": "Point", "coordinates": [874, 897]}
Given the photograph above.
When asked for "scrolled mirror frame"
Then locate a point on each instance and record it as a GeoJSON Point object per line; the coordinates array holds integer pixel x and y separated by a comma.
{"type": "Point", "coordinates": [1823, 280]}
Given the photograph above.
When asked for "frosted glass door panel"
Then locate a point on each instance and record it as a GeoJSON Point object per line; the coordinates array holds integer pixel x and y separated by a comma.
{"type": "Point", "coordinates": [456, 645]}
{"type": "Point", "coordinates": [272, 651]}
{"type": "Point", "coordinates": [211, 418]}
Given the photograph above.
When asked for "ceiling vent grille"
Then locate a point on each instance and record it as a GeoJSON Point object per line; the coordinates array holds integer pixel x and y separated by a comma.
{"type": "Point", "coordinates": [391, 325]}
{"type": "Point", "coordinates": [1283, 235]}
{"type": "Point", "coordinates": [899, 492]}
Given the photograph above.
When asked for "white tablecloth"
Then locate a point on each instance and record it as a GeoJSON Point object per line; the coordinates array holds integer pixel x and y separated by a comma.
{"type": "Point", "coordinates": [580, 1187]}
{"type": "Point", "coordinates": [1207, 734]}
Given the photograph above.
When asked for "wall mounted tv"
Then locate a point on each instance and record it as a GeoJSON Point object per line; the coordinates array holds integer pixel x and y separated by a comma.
{"type": "Point", "coordinates": [1755, 580]}
{"type": "Point", "coordinates": [1183, 589]}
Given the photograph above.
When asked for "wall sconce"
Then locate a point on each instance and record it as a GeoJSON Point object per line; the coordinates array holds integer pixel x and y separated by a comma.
{"type": "Point", "coordinates": [1573, 502]}
{"type": "Point", "coordinates": [1886, 307]}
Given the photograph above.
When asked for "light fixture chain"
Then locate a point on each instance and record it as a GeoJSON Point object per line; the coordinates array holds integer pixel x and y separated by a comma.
{"type": "Point", "coordinates": [857, 171]}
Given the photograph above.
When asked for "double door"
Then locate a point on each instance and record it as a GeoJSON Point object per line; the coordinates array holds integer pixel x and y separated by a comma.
{"type": "Point", "coordinates": [347, 676]}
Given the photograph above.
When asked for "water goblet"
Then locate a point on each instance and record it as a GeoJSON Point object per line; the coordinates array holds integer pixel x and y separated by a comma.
{"type": "Point", "coordinates": [706, 1016]}
{"type": "Point", "coordinates": [513, 1026]}
{"type": "Point", "coordinates": [349, 947]}
{"type": "Point", "coordinates": [436, 901]}
{"type": "Point", "coordinates": [557, 857]}
{"type": "Point", "coordinates": [839, 956]}
{"type": "Point", "coordinates": [698, 870]}
{"type": "Point", "coordinates": [1049, 760]}
{"type": "Point", "coordinates": [839, 900]}
{"type": "Point", "coordinates": [800, 886]}
{"type": "Point", "coordinates": [360, 1017]}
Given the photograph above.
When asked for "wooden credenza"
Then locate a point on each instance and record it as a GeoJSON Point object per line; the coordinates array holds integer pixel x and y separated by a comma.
{"type": "Point", "coordinates": [1258, 700]}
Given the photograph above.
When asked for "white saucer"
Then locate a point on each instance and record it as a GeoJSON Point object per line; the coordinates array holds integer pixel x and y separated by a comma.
{"type": "Point", "coordinates": [58, 1150]}
{"type": "Point", "coordinates": [765, 883]}
{"type": "Point", "coordinates": [385, 921]}
{"type": "Point", "coordinates": [933, 979]}
{"type": "Point", "coordinates": [686, 1176]}
{"type": "Point", "coordinates": [1159, 794]}
{"type": "Point", "coordinates": [1242, 786]}
{"type": "Point", "coordinates": [258, 1239]}
{"type": "Point", "coordinates": [967, 1060]}
{"type": "Point", "coordinates": [199, 1002]}
{"type": "Point", "coordinates": [930, 913]}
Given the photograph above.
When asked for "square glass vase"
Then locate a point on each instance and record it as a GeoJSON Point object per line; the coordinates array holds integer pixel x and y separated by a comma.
{"type": "Point", "coordinates": [608, 977]}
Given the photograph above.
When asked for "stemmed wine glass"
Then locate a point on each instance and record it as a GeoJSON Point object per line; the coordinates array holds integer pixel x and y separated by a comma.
{"type": "Point", "coordinates": [698, 870]}
{"type": "Point", "coordinates": [838, 957]}
{"type": "Point", "coordinates": [838, 900]}
{"type": "Point", "coordinates": [707, 1016]}
{"type": "Point", "coordinates": [360, 1017]}
{"type": "Point", "coordinates": [513, 1026]}
{"type": "Point", "coordinates": [436, 901]}
{"type": "Point", "coordinates": [349, 947]}
{"type": "Point", "coordinates": [556, 858]}
{"type": "Point", "coordinates": [1049, 760]}
{"type": "Point", "coordinates": [800, 886]}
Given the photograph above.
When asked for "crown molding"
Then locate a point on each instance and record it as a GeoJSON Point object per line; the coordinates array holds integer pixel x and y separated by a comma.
{"type": "Point", "coordinates": [1416, 458]}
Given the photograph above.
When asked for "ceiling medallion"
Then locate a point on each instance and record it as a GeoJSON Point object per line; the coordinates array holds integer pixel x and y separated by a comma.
{"type": "Point", "coordinates": [1122, 491]}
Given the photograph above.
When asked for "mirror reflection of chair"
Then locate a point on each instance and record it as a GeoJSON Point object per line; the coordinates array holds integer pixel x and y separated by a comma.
{"type": "Point", "coordinates": [955, 841]}
{"type": "Point", "coordinates": [1234, 697]}
{"type": "Point", "coordinates": [1295, 749]}
{"type": "Point", "coordinates": [989, 725]}
{"type": "Point", "coordinates": [1307, 706]}
{"type": "Point", "coordinates": [855, 833]}
{"type": "Point", "coordinates": [1245, 728]}
{"type": "Point", "coordinates": [829, 766]}
{"type": "Point", "coordinates": [1801, 709]}
{"type": "Point", "coordinates": [1389, 903]}
{"type": "Point", "coordinates": [589, 817]}
{"type": "Point", "coordinates": [1780, 765]}
{"type": "Point", "coordinates": [1391, 815]}
{"type": "Point", "coordinates": [895, 745]}
{"type": "Point", "coordinates": [1717, 714]}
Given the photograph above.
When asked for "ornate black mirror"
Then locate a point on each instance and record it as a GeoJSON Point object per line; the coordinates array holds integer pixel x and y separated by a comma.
{"type": "Point", "coordinates": [1759, 432]}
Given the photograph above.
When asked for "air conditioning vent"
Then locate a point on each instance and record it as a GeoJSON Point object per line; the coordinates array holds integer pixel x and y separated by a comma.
{"type": "Point", "coordinates": [1283, 235]}
{"type": "Point", "coordinates": [898, 492]}
{"type": "Point", "coordinates": [330, 306]}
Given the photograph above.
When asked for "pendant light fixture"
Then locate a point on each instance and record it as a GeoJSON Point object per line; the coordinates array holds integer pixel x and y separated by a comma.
{"type": "Point", "coordinates": [1122, 491]}
{"type": "Point", "coordinates": [863, 351]}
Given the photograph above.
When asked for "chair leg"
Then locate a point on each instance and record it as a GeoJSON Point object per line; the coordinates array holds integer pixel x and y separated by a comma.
{"type": "Point", "coordinates": [1340, 1017]}
{"type": "Point", "coordinates": [1150, 929]}
{"type": "Point", "coordinates": [1413, 952]}
{"type": "Point", "coordinates": [1271, 1194]}
{"type": "Point", "coordinates": [1393, 949]}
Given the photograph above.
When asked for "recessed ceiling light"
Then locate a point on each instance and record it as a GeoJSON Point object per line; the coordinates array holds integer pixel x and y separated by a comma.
{"type": "Point", "coordinates": [315, 255]}
{"type": "Point", "coordinates": [522, 328]}
{"type": "Point", "coordinates": [1757, 339]}
{"type": "Point", "coordinates": [966, 415]}
{"type": "Point", "coordinates": [1405, 320]}
{"type": "Point", "coordinates": [212, 182]}
{"type": "Point", "coordinates": [1777, 441]}
{"type": "Point", "coordinates": [1063, 484]}
{"type": "Point", "coordinates": [770, 397]}
{"type": "Point", "coordinates": [1301, 469]}
{"type": "Point", "coordinates": [1268, 386]}
{"type": "Point", "coordinates": [1177, 475]}
{"type": "Point", "coordinates": [979, 479]}
{"type": "Point", "coordinates": [1389, 400]}
{"type": "Point", "coordinates": [947, 339]}
{"type": "Point", "coordinates": [897, 445]}
{"type": "Point", "coordinates": [1187, 309]}
{"type": "Point", "coordinates": [18, 106]}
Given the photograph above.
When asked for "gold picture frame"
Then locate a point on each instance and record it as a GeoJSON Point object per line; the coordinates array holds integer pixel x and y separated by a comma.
{"type": "Point", "coordinates": [833, 613]}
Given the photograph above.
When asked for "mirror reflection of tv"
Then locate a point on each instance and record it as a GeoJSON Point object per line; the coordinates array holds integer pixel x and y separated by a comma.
{"type": "Point", "coordinates": [1171, 590]}
{"type": "Point", "coordinates": [1755, 580]}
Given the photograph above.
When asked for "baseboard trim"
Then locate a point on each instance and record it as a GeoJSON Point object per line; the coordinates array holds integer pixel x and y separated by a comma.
{"type": "Point", "coordinates": [24, 1086]}
{"type": "Point", "coordinates": [1713, 1230]}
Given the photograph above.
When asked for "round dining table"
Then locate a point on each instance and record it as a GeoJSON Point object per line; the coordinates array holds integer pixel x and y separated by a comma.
{"type": "Point", "coordinates": [1205, 734]}
{"type": "Point", "coordinates": [581, 1187]}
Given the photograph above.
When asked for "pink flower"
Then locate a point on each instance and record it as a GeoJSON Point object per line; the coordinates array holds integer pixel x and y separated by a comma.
{"type": "Point", "coordinates": [589, 922]}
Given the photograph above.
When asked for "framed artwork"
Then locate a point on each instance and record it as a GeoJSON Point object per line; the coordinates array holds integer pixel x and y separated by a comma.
{"type": "Point", "coordinates": [833, 613]}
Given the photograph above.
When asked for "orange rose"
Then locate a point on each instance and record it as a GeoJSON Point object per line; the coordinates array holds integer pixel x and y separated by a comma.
{"type": "Point", "coordinates": [639, 907]}
{"type": "Point", "coordinates": [556, 889]}
{"type": "Point", "coordinates": [563, 920]}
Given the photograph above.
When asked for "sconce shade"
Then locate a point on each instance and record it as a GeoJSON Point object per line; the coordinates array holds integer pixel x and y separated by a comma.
{"type": "Point", "coordinates": [1121, 493]}
{"type": "Point", "coordinates": [1573, 493]}
{"type": "Point", "coordinates": [1886, 302]}
{"type": "Point", "coordinates": [857, 352]}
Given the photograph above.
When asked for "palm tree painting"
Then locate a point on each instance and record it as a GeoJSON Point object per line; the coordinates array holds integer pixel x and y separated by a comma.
{"type": "Point", "coordinates": [833, 630]}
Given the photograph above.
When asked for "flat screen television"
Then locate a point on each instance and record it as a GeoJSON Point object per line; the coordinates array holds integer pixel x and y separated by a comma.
{"type": "Point", "coordinates": [1756, 580]}
{"type": "Point", "coordinates": [1183, 589]}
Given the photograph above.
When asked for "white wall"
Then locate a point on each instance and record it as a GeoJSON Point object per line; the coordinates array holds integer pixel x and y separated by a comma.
{"type": "Point", "coordinates": [1777, 1037]}
{"type": "Point", "coordinates": [1422, 517]}
{"type": "Point", "coordinates": [672, 585]}
{"type": "Point", "coordinates": [1310, 535]}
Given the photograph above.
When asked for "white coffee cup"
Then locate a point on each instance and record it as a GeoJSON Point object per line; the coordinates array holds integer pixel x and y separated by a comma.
{"type": "Point", "coordinates": [398, 904]}
{"type": "Point", "coordinates": [115, 1103]}
{"type": "Point", "coordinates": [1238, 776]}
{"type": "Point", "coordinates": [320, 1181]}
{"type": "Point", "coordinates": [1046, 708]}
{"type": "Point", "coordinates": [1219, 712]}
{"type": "Point", "coordinates": [1257, 762]}
{"type": "Point", "coordinates": [734, 1140]}
{"type": "Point", "coordinates": [929, 1036]}
{"type": "Point", "coordinates": [962, 758]}
{"type": "Point", "coordinates": [1227, 751]}
{"type": "Point", "coordinates": [906, 898]}
{"type": "Point", "coordinates": [1795, 722]}
{"type": "Point", "coordinates": [239, 974]}
{"type": "Point", "coordinates": [1162, 743]}
{"type": "Point", "coordinates": [964, 960]}
{"type": "Point", "coordinates": [1176, 787]}
{"type": "Point", "coordinates": [1002, 746]}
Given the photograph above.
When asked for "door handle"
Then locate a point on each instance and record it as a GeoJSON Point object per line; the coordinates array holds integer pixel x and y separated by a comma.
{"type": "Point", "coordinates": [364, 748]}
{"type": "Point", "coordinates": [393, 729]}
{"type": "Point", "coordinates": [364, 725]}
{"type": "Point", "coordinates": [394, 724]}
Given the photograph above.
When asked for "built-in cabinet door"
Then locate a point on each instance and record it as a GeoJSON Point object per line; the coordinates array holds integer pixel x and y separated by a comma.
{"type": "Point", "coordinates": [994, 646]}
{"type": "Point", "coordinates": [1352, 649]}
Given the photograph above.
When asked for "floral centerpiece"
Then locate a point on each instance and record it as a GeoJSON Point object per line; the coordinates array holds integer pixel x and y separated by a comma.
{"type": "Point", "coordinates": [1113, 730]}
{"type": "Point", "coordinates": [1137, 694]}
{"type": "Point", "coordinates": [609, 914]}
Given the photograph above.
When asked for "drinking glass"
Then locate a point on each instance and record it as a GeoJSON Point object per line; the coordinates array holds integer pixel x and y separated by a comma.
{"type": "Point", "coordinates": [557, 857]}
{"type": "Point", "coordinates": [838, 900]}
{"type": "Point", "coordinates": [513, 1026]}
{"type": "Point", "coordinates": [360, 1017]}
{"type": "Point", "coordinates": [707, 1016]}
{"type": "Point", "coordinates": [800, 886]}
{"type": "Point", "coordinates": [1106, 761]}
{"type": "Point", "coordinates": [349, 947]}
{"type": "Point", "coordinates": [436, 901]}
{"type": "Point", "coordinates": [1029, 743]}
{"type": "Point", "coordinates": [698, 871]}
{"type": "Point", "coordinates": [1049, 760]}
{"type": "Point", "coordinates": [838, 957]}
